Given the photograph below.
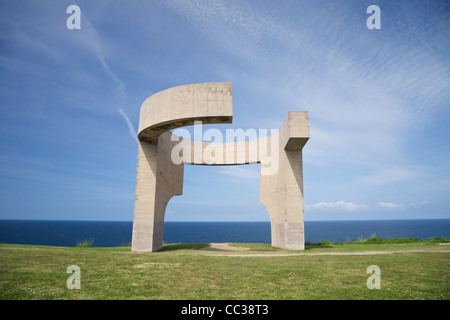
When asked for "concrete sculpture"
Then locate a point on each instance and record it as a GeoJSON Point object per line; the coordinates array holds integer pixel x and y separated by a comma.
{"type": "Point", "coordinates": [162, 155]}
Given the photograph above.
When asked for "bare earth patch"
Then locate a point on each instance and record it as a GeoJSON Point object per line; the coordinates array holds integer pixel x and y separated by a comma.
{"type": "Point", "coordinates": [223, 247]}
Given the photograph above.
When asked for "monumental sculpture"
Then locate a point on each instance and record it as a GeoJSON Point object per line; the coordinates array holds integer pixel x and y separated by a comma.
{"type": "Point", "coordinates": [162, 156]}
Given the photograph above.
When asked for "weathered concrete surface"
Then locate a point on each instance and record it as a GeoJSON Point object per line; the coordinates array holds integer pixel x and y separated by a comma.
{"type": "Point", "coordinates": [282, 192]}
{"type": "Point", "coordinates": [182, 106]}
{"type": "Point", "coordinates": [159, 178]}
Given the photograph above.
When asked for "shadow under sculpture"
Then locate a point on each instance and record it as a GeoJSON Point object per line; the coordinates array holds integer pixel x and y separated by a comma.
{"type": "Point", "coordinates": [159, 177]}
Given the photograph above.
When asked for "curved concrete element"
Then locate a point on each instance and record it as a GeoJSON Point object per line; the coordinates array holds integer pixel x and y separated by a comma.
{"type": "Point", "coordinates": [162, 155]}
{"type": "Point", "coordinates": [182, 106]}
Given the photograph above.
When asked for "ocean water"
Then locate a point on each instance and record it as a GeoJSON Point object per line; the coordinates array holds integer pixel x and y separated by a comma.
{"type": "Point", "coordinates": [116, 233]}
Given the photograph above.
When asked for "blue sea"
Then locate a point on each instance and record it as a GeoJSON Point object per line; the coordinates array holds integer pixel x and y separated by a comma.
{"type": "Point", "coordinates": [117, 233]}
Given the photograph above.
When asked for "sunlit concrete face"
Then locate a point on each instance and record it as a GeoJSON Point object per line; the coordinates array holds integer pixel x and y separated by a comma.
{"type": "Point", "coordinates": [162, 155]}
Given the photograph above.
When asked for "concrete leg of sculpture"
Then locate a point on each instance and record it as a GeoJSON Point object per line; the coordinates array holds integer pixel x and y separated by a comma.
{"type": "Point", "coordinates": [282, 195]}
{"type": "Point", "coordinates": [282, 192]}
{"type": "Point", "coordinates": [157, 181]}
{"type": "Point", "coordinates": [144, 204]}
{"type": "Point", "coordinates": [294, 214]}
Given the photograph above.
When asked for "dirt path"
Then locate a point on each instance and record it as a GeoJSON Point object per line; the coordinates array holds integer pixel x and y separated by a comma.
{"type": "Point", "coordinates": [223, 247]}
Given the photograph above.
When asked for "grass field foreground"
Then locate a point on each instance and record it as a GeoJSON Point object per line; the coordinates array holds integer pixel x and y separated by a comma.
{"type": "Point", "coordinates": [185, 271]}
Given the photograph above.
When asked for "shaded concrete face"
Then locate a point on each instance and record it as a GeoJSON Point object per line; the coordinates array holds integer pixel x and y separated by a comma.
{"type": "Point", "coordinates": [162, 155]}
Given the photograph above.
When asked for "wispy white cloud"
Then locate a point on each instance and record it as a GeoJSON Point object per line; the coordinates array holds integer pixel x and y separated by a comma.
{"type": "Point", "coordinates": [93, 41]}
{"type": "Point", "coordinates": [341, 205]}
{"type": "Point", "coordinates": [388, 175]}
{"type": "Point", "coordinates": [95, 44]}
{"type": "Point", "coordinates": [237, 29]}
{"type": "Point", "coordinates": [400, 206]}
{"type": "Point", "coordinates": [241, 172]}
{"type": "Point", "coordinates": [133, 132]}
{"type": "Point", "coordinates": [390, 205]}
{"type": "Point", "coordinates": [346, 87]}
{"type": "Point", "coordinates": [350, 206]}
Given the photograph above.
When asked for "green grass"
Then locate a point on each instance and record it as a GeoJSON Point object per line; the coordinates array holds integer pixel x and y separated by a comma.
{"type": "Point", "coordinates": [373, 239]}
{"type": "Point", "coordinates": [85, 243]}
{"type": "Point", "coordinates": [183, 271]}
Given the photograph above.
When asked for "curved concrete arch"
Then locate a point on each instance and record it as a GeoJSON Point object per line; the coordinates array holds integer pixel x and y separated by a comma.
{"type": "Point", "coordinates": [162, 155]}
{"type": "Point", "coordinates": [209, 102]}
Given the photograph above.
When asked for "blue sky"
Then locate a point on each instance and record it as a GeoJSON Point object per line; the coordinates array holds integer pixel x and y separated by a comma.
{"type": "Point", "coordinates": [378, 103]}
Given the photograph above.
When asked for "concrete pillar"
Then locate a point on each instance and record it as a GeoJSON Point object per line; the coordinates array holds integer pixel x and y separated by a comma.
{"type": "Point", "coordinates": [158, 179]}
{"type": "Point", "coordinates": [144, 238]}
{"type": "Point", "coordinates": [282, 193]}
